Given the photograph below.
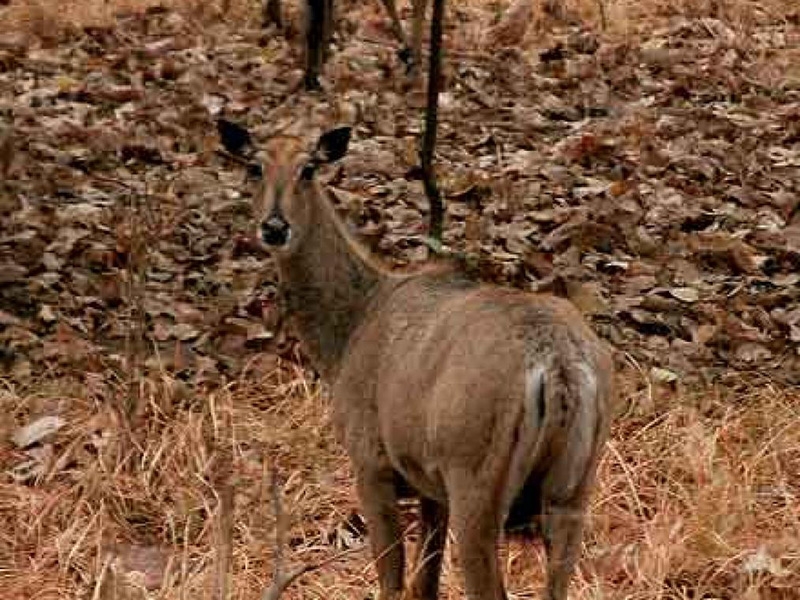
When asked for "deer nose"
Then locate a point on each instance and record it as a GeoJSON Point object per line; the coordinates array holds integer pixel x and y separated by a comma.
{"type": "Point", "coordinates": [275, 231]}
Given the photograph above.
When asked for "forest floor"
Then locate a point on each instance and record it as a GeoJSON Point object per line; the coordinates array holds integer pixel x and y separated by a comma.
{"type": "Point", "coordinates": [642, 160]}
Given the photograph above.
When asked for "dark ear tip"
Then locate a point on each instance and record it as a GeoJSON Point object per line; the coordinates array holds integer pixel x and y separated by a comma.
{"type": "Point", "coordinates": [333, 143]}
{"type": "Point", "coordinates": [344, 132]}
{"type": "Point", "coordinates": [332, 146]}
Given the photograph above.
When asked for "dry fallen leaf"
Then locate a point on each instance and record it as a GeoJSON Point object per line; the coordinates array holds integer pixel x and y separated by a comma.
{"type": "Point", "coordinates": [660, 375]}
{"type": "Point", "coordinates": [38, 430]}
{"type": "Point", "coordinates": [512, 27]}
{"type": "Point", "coordinates": [685, 294]}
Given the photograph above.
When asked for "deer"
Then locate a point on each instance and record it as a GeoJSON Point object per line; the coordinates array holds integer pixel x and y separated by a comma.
{"type": "Point", "coordinates": [489, 405]}
{"type": "Point", "coordinates": [319, 30]}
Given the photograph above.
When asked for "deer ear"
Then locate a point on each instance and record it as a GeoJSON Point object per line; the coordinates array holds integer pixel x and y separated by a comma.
{"type": "Point", "coordinates": [332, 145]}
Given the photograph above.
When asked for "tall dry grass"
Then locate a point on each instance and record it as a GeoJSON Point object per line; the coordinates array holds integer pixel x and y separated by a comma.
{"type": "Point", "coordinates": [48, 21]}
{"type": "Point", "coordinates": [698, 495]}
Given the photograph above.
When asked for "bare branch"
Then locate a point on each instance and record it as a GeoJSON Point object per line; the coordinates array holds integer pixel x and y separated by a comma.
{"type": "Point", "coordinates": [223, 485]}
{"type": "Point", "coordinates": [601, 6]}
{"type": "Point", "coordinates": [6, 152]}
{"type": "Point", "coordinates": [282, 579]}
{"type": "Point", "coordinates": [271, 14]}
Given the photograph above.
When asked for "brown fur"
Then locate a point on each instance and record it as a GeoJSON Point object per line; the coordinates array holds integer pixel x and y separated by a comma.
{"type": "Point", "coordinates": [489, 403]}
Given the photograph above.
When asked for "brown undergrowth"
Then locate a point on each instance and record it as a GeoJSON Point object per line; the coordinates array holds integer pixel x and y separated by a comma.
{"type": "Point", "coordinates": [697, 495]}
{"type": "Point", "coordinates": [47, 21]}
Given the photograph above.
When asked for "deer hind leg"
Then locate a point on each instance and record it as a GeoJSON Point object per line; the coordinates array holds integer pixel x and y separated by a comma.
{"type": "Point", "coordinates": [271, 14]}
{"type": "Point", "coordinates": [430, 549]}
{"type": "Point", "coordinates": [378, 494]}
{"type": "Point", "coordinates": [319, 25]}
{"type": "Point", "coordinates": [397, 27]}
{"type": "Point", "coordinates": [476, 527]}
{"type": "Point", "coordinates": [563, 532]}
{"type": "Point", "coordinates": [328, 24]}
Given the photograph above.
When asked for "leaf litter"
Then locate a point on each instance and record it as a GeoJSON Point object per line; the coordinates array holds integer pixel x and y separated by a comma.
{"type": "Point", "coordinates": [655, 182]}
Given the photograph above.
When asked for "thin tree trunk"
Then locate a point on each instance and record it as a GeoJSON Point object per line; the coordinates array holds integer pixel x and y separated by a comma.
{"type": "Point", "coordinates": [271, 14]}
{"type": "Point", "coordinates": [431, 125]}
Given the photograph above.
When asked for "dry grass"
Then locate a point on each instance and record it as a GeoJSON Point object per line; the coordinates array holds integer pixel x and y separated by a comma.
{"type": "Point", "coordinates": [699, 495]}
{"type": "Point", "coordinates": [47, 21]}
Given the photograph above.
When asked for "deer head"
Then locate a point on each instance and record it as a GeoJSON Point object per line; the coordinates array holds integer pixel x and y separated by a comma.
{"type": "Point", "coordinates": [319, 265]}
{"type": "Point", "coordinates": [289, 198]}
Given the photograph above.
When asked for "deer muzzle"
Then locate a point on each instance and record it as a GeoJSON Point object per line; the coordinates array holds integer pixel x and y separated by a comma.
{"type": "Point", "coordinates": [275, 231]}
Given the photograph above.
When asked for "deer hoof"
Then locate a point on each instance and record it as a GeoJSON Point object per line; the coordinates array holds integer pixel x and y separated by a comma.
{"type": "Point", "coordinates": [407, 58]}
{"type": "Point", "coordinates": [311, 83]}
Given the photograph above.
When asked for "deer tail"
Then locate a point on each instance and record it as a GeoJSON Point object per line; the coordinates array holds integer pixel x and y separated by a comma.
{"type": "Point", "coordinates": [555, 423]}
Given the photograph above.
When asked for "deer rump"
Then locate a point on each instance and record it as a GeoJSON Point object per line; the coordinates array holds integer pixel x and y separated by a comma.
{"type": "Point", "coordinates": [447, 378]}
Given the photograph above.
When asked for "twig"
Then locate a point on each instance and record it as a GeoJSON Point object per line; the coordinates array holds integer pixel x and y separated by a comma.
{"type": "Point", "coordinates": [136, 332]}
{"type": "Point", "coordinates": [282, 579]}
{"type": "Point", "coordinates": [601, 5]}
{"type": "Point", "coordinates": [224, 487]}
{"type": "Point", "coordinates": [271, 14]}
{"type": "Point", "coordinates": [237, 159]}
{"type": "Point", "coordinates": [6, 152]}
{"type": "Point", "coordinates": [112, 180]}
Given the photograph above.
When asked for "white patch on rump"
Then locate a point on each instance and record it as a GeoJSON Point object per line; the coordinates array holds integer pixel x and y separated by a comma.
{"type": "Point", "coordinates": [534, 395]}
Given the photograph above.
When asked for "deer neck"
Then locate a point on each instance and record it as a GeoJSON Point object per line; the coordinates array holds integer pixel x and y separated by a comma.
{"type": "Point", "coordinates": [327, 283]}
